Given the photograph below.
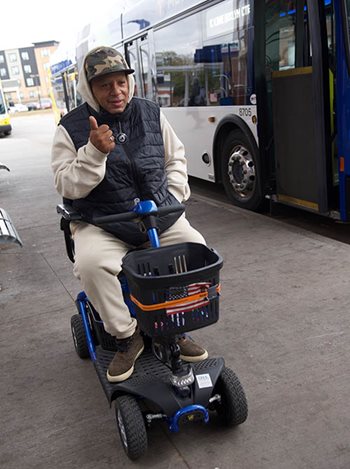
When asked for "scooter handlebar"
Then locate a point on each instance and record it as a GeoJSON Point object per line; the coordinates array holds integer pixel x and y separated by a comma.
{"type": "Point", "coordinates": [127, 216]}
{"type": "Point", "coordinates": [115, 217]}
{"type": "Point", "coordinates": [170, 209]}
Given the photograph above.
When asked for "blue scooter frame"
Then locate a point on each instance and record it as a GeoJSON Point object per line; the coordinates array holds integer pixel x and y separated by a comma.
{"type": "Point", "coordinates": [176, 390]}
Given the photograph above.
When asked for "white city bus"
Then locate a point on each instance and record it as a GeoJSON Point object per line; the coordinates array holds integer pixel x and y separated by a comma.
{"type": "Point", "coordinates": [249, 87]}
{"type": "Point", "coordinates": [63, 77]}
{"type": "Point", "coordinates": [5, 122]}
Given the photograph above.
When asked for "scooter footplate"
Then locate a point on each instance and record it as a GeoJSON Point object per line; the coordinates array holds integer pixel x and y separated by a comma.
{"type": "Point", "coordinates": [152, 377]}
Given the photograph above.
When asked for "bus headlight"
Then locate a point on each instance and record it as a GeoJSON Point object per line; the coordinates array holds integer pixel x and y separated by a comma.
{"type": "Point", "coordinates": [5, 121]}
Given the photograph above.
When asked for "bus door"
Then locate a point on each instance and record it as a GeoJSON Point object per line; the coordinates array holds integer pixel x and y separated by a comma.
{"type": "Point", "coordinates": [342, 8]}
{"type": "Point", "coordinates": [298, 97]}
{"type": "Point", "coordinates": [141, 57]}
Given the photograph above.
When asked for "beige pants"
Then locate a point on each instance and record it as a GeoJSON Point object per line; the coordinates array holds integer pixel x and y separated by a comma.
{"type": "Point", "coordinates": [98, 259]}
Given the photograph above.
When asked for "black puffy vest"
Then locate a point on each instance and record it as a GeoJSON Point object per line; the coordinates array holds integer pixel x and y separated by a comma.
{"type": "Point", "coordinates": [134, 170]}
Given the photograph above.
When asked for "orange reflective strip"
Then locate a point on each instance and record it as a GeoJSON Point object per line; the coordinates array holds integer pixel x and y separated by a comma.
{"type": "Point", "coordinates": [169, 304]}
{"type": "Point", "coordinates": [341, 164]}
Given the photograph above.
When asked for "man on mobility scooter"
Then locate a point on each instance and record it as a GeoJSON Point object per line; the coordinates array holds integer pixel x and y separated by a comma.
{"type": "Point", "coordinates": [109, 153]}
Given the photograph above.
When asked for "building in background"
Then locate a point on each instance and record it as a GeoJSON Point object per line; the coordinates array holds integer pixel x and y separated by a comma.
{"type": "Point", "coordinates": [24, 73]}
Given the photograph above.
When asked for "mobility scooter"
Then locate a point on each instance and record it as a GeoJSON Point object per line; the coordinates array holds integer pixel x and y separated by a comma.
{"type": "Point", "coordinates": [171, 290]}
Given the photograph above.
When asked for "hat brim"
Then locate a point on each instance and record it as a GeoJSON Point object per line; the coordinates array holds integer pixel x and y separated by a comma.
{"type": "Point", "coordinates": [128, 71]}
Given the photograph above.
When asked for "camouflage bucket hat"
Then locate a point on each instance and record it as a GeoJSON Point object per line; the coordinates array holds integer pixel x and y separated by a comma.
{"type": "Point", "coordinates": [105, 60]}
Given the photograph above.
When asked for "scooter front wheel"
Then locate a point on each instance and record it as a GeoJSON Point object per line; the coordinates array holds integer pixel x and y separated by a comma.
{"type": "Point", "coordinates": [232, 407]}
{"type": "Point", "coordinates": [131, 426]}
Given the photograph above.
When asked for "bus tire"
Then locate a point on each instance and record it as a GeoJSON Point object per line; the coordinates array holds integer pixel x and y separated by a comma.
{"type": "Point", "coordinates": [240, 172]}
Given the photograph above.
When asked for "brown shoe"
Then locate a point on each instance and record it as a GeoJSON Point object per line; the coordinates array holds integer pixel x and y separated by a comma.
{"type": "Point", "coordinates": [190, 351]}
{"type": "Point", "coordinates": [122, 365]}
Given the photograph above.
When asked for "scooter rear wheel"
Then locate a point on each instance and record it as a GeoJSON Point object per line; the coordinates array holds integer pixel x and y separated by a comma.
{"type": "Point", "coordinates": [79, 336]}
{"type": "Point", "coordinates": [232, 408]}
{"type": "Point", "coordinates": [131, 426]}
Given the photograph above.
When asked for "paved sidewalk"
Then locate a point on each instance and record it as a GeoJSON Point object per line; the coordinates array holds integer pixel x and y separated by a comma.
{"type": "Point", "coordinates": [284, 329]}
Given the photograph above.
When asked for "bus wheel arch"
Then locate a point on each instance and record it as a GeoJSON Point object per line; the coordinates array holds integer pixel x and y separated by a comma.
{"type": "Point", "coordinates": [237, 164]}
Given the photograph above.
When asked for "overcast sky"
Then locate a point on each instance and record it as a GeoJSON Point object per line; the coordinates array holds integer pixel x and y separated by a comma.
{"type": "Point", "coordinates": [46, 20]}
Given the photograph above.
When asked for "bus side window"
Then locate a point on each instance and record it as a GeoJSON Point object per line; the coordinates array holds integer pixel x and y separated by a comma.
{"type": "Point", "coordinates": [287, 35]}
{"type": "Point", "coordinates": [197, 97]}
{"type": "Point", "coordinates": [280, 36]}
{"type": "Point", "coordinates": [205, 65]}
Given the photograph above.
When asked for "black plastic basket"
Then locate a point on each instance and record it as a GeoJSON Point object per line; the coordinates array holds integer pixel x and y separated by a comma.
{"type": "Point", "coordinates": [175, 288]}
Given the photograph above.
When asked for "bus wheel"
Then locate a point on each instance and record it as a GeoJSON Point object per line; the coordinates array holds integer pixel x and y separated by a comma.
{"type": "Point", "coordinates": [240, 172]}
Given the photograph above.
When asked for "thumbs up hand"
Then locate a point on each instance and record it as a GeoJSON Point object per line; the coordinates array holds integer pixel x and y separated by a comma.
{"type": "Point", "coordinates": [101, 136]}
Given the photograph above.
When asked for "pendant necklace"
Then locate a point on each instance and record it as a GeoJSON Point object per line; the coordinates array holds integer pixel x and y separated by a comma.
{"type": "Point", "coordinates": [121, 137]}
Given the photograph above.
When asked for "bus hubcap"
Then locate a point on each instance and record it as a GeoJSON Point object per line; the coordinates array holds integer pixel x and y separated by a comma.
{"type": "Point", "coordinates": [241, 171]}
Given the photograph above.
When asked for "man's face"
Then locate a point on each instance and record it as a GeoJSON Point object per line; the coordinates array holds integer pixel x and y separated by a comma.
{"type": "Point", "coordinates": [111, 91]}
